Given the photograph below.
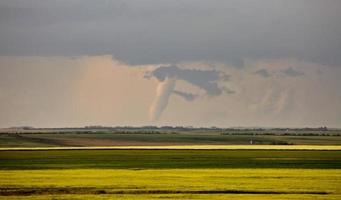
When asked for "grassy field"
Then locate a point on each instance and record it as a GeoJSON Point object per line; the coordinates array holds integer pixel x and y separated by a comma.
{"type": "Point", "coordinates": [207, 165]}
{"type": "Point", "coordinates": [135, 139]}
{"type": "Point", "coordinates": [170, 174]}
{"type": "Point", "coordinates": [171, 184]}
{"type": "Point", "coordinates": [168, 159]}
{"type": "Point", "coordinates": [183, 147]}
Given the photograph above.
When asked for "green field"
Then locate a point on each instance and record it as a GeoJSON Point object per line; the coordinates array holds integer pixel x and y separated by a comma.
{"type": "Point", "coordinates": [170, 174]}
{"type": "Point", "coordinates": [167, 138]}
{"type": "Point", "coordinates": [168, 159]}
{"type": "Point", "coordinates": [182, 165]}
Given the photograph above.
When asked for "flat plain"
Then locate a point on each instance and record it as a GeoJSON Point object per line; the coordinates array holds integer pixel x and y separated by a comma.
{"type": "Point", "coordinates": [193, 166]}
{"type": "Point", "coordinates": [171, 184]}
{"type": "Point", "coordinates": [170, 174]}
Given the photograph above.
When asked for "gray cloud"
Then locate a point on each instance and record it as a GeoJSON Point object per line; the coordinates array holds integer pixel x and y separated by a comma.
{"type": "Point", "coordinates": [204, 79]}
{"type": "Point", "coordinates": [185, 95]}
{"type": "Point", "coordinates": [263, 73]}
{"type": "Point", "coordinates": [152, 31]}
{"type": "Point", "coordinates": [292, 72]}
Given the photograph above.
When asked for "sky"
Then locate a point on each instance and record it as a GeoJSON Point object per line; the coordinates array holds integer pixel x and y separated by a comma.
{"type": "Point", "coordinates": [226, 63]}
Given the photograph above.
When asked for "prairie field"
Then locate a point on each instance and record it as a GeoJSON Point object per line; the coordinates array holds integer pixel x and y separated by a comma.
{"type": "Point", "coordinates": [170, 174]}
{"type": "Point", "coordinates": [169, 159]}
{"type": "Point", "coordinates": [171, 165]}
{"type": "Point", "coordinates": [171, 184]}
{"type": "Point", "coordinates": [95, 139]}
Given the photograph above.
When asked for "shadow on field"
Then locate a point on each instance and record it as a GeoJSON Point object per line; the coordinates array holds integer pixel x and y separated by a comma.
{"type": "Point", "coordinates": [92, 190]}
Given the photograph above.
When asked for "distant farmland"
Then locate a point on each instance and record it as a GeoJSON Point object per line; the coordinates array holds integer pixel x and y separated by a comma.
{"type": "Point", "coordinates": [170, 165]}
{"type": "Point", "coordinates": [133, 138]}
{"type": "Point", "coordinates": [168, 159]}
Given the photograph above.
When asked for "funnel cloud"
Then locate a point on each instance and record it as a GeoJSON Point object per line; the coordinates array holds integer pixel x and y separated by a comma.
{"type": "Point", "coordinates": [206, 80]}
{"type": "Point", "coordinates": [163, 93]}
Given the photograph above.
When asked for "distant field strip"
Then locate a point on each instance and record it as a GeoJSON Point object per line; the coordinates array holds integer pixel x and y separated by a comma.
{"type": "Point", "coordinates": [169, 159]}
{"type": "Point", "coordinates": [189, 147]}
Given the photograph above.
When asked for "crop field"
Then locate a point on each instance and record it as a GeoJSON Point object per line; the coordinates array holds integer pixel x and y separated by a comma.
{"type": "Point", "coordinates": [170, 174]}
{"type": "Point", "coordinates": [168, 159]}
{"type": "Point", "coordinates": [171, 165]}
{"type": "Point", "coordinates": [157, 139]}
{"type": "Point", "coordinates": [171, 184]}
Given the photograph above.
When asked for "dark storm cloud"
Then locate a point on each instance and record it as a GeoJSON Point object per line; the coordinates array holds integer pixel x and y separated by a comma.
{"type": "Point", "coordinates": [263, 73]}
{"type": "Point", "coordinates": [292, 72]}
{"type": "Point", "coordinates": [204, 79]}
{"type": "Point", "coordinates": [185, 95]}
{"type": "Point", "coordinates": [168, 31]}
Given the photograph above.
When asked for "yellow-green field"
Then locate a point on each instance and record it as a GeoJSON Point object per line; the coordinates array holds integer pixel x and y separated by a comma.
{"type": "Point", "coordinates": [180, 172]}
{"type": "Point", "coordinates": [171, 184]}
{"type": "Point", "coordinates": [190, 147]}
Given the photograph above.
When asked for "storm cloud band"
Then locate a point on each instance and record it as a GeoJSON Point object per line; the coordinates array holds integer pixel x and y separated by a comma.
{"type": "Point", "coordinates": [153, 32]}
